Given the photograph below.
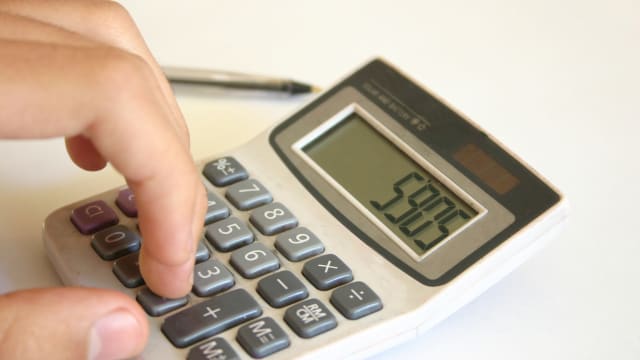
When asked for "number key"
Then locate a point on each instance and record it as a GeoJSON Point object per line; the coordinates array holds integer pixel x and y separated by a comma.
{"type": "Point", "coordinates": [216, 209]}
{"type": "Point", "coordinates": [254, 260]}
{"type": "Point", "coordinates": [228, 234]}
{"type": "Point", "coordinates": [248, 194]}
{"type": "Point", "coordinates": [273, 218]}
{"type": "Point", "coordinates": [116, 241]}
{"type": "Point", "coordinates": [211, 277]}
{"type": "Point", "coordinates": [298, 244]}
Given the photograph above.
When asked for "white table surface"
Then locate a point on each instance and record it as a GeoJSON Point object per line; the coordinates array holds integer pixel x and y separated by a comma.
{"type": "Point", "coordinates": [557, 81]}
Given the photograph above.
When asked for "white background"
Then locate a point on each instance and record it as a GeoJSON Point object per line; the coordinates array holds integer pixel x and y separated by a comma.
{"type": "Point", "coordinates": [557, 81]}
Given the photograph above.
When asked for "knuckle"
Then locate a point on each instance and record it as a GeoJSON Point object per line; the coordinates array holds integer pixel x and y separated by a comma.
{"type": "Point", "coordinates": [121, 72]}
{"type": "Point", "coordinates": [114, 13]}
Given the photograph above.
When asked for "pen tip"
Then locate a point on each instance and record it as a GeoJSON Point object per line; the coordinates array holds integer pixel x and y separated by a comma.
{"type": "Point", "coordinates": [301, 88]}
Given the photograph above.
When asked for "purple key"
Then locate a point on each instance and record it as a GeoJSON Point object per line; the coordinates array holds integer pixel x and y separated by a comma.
{"type": "Point", "coordinates": [93, 216]}
{"type": "Point", "coordinates": [126, 201]}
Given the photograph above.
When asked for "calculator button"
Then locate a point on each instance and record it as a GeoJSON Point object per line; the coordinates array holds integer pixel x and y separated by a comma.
{"type": "Point", "coordinates": [211, 277]}
{"type": "Point", "coordinates": [355, 300]}
{"type": "Point", "coordinates": [273, 218]}
{"type": "Point", "coordinates": [224, 171]}
{"type": "Point", "coordinates": [254, 260]}
{"type": "Point", "coordinates": [248, 194]}
{"type": "Point", "coordinates": [126, 201]}
{"type": "Point", "coordinates": [262, 337]}
{"type": "Point", "coordinates": [228, 234]}
{"type": "Point", "coordinates": [210, 317]}
{"type": "Point", "coordinates": [281, 289]}
{"type": "Point", "coordinates": [93, 216]}
{"type": "Point", "coordinates": [116, 241]}
{"type": "Point", "coordinates": [298, 244]}
{"type": "Point", "coordinates": [202, 253]}
{"type": "Point", "coordinates": [127, 270]}
{"type": "Point", "coordinates": [214, 349]}
{"type": "Point", "coordinates": [327, 271]}
{"type": "Point", "coordinates": [217, 209]}
{"type": "Point", "coordinates": [156, 305]}
{"type": "Point", "coordinates": [310, 318]}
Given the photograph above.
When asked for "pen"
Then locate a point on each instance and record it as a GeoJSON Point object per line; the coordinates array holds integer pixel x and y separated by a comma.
{"type": "Point", "coordinates": [235, 80]}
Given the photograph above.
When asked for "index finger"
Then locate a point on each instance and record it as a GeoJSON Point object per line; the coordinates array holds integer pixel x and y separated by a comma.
{"type": "Point", "coordinates": [124, 115]}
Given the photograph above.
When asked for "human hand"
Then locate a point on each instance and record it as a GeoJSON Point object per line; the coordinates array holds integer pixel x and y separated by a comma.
{"type": "Point", "coordinates": [81, 70]}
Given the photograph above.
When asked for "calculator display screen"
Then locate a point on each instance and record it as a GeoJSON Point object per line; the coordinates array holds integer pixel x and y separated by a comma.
{"type": "Point", "coordinates": [406, 199]}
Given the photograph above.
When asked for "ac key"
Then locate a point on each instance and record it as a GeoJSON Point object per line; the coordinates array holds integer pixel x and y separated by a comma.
{"type": "Point", "coordinates": [327, 271]}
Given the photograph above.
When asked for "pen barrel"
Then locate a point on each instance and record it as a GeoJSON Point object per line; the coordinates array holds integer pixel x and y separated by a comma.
{"type": "Point", "coordinates": [233, 80]}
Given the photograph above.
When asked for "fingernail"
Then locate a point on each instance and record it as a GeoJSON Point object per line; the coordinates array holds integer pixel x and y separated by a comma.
{"type": "Point", "coordinates": [114, 336]}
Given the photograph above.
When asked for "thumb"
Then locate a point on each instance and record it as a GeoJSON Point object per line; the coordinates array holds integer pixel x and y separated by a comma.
{"type": "Point", "coordinates": [70, 323]}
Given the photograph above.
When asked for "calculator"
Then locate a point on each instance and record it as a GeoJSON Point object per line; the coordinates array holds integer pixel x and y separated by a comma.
{"type": "Point", "coordinates": [357, 223]}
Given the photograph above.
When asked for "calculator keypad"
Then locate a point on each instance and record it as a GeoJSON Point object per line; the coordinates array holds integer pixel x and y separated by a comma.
{"type": "Point", "coordinates": [217, 302]}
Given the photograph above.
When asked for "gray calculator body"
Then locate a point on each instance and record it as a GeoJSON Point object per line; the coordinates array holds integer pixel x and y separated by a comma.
{"type": "Point", "coordinates": [503, 209]}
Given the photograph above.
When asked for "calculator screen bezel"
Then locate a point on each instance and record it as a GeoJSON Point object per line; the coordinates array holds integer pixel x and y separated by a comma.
{"type": "Point", "coordinates": [491, 219]}
{"type": "Point", "coordinates": [436, 133]}
{"type": "Point", "coordinates": [483, 223]}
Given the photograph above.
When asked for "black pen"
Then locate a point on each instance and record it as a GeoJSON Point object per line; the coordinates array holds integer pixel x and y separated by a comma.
{"type": "Point", "coordinates": [235, 80]}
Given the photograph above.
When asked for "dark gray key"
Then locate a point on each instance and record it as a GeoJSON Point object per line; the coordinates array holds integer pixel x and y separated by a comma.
{"type": "Point", "coordinates": [281, 289]}
{"type": "Point", "coordinates": [355, 300]}
{"type": "Point", "coordinates": [224, 171]}
{"type": "Point", "coordinates": [248, 194]}
{"type": "Point", "coordinates": [210, 317]}
{"type": "Point", "coordinates": [228, 234]}
{"type": "Point", "coordinates": [127, 270]}
{"type": "Point", "coordinates": [262, 337]}
{"type": "Point", "coordinates": [202, 253]}
{"type": "Point", "coordinates": [310, 318]}
{"type": "Point", "coordinates": [116, 241]}
{"type": "Point", "coordinates": [273, 218]}
{"type": "Point", "coordinates": [298, 244]}
{"type": "Point", "coordinates": [214, 349]}
{"type": "Point", "coordinates": [156, 305]}
{"type": "Point", "coordinates": [211, 277]}
{"type": "Point", "coordinates": [327, 271]}
{"type": "Point", "coordinates": [217, 209]}
{"type": "Point", "coordinates": [254, 260]}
